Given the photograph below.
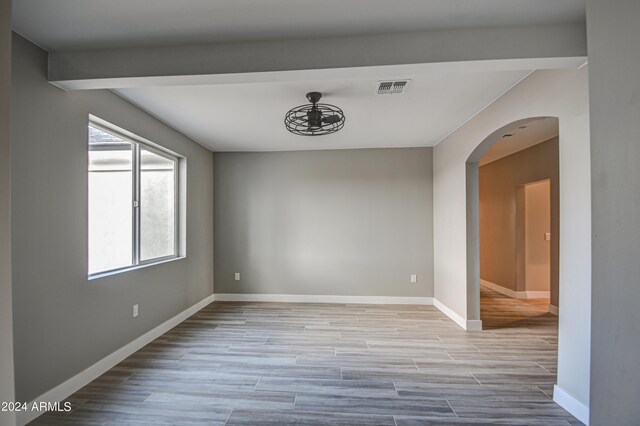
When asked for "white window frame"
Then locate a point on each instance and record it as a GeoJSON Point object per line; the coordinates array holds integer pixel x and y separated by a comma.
{"type": "Point", "coordinates": [138, 143]}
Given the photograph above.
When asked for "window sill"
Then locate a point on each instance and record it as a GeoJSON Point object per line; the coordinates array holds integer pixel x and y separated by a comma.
{"type": "Point", "coordinates": [132, 268]}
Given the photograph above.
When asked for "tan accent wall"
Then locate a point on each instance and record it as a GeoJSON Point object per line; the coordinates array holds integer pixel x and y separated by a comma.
{"type": "Point", "coordinates": [502, 259]}
{"type": "Point", "coordinates": [537, 250]}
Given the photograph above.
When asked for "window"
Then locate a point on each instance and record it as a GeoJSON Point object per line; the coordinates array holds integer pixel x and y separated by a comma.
{"type": "Point", "coordinates": [132, 202]}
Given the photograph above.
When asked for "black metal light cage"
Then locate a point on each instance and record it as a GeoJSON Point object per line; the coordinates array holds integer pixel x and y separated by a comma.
{"type": "Point", "coordinates": [314, 119]}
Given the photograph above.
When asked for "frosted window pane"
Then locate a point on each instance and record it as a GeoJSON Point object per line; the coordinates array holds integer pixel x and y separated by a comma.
{"type": "Point", "coordinates": [110, 195]}
{"type": "Point", "coordinates": [157, 206]}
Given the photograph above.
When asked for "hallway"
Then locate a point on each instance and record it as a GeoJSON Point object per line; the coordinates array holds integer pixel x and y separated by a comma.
{"type": "Point", "coordinates": [499, 311]}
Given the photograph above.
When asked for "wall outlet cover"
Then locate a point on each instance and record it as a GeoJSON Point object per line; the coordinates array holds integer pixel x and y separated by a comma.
{"type": "Point", "coordinates": [135, 310]}
{"type": "Point", "coordinates": [237, 276]}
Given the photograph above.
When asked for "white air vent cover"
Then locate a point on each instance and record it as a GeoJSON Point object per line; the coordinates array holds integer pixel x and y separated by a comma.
{"type": "Point", "coordinates": [392, 87]}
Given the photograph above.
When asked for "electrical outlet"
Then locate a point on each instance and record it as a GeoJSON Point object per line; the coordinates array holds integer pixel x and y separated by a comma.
{"type": "Point", "coordinates": [547, 236]}
{"type": "Point", "coordinates": [414, 278]}
{"type": "Point", "coordinates": [237, 276]}
{"type": "Point", "coordinates": [135, 310]}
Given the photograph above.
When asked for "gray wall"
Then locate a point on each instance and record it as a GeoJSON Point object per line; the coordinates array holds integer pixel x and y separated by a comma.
{"type": "Point", "coordinates": [64, 323]}
{"type": "Point", "coordinates": [614, 84]}
{"type": "Point", "coordinates": [6, 328]}
{"type": "Point", "coordinates": [341, 222]}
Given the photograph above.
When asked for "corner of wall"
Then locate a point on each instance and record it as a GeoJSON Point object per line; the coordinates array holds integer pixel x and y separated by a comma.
{"type": "Point", "coordinates": [7, 378]}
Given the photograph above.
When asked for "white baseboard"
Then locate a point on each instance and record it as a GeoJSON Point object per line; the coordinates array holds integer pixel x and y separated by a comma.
{"type": "Point", "coordinates": [469, 325]}
{"type": "Point", "coordinates": [554, 310]}
{"type": "Point", "coordinates": [451, 314]}
{"type": "Point", "coordinates": [576, 408]}
{"type": "Point", "coordinates": [321, 298]}
{"type": "Point", "coordinates": [474, 325]}
{"type": "Point", "coordinates": [515, 294]}
{"type": "Point", "coordinates": [498, 288]}
{"type": "Point", "coordinates": [67, 388]}
{"type": "Point", "coordinates": [535, 295]}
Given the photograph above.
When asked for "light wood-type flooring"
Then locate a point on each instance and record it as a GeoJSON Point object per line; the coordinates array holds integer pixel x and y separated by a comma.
{"type": "Point", "coordinates": [334, 364]}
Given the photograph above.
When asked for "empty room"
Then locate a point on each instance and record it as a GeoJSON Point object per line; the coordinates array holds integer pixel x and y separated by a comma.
{"type": "Point", "coordinates": [349, 212]}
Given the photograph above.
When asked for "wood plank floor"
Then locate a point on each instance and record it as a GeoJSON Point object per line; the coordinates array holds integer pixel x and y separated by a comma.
{"type": "Point", "coordinates": [334, 364]}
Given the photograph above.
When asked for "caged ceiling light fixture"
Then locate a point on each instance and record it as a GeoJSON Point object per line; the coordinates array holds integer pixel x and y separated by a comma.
{"type": "Point", "coordinates": [314, 119]}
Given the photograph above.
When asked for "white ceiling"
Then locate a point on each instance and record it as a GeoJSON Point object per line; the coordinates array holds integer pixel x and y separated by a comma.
{"type": "Point", "coordinates": [249, 116]}
{"type": "Point", "coordinates": [535, 132]}
{"type": "Point", "coordinates": [82, 24]}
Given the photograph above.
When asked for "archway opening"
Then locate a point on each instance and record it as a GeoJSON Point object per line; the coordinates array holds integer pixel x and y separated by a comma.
{"type": "Point", "coordinates": [513, 224]}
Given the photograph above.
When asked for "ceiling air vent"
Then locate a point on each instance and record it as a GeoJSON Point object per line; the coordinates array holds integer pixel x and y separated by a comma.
{"type": "Point", "coordinates": [392, 87]}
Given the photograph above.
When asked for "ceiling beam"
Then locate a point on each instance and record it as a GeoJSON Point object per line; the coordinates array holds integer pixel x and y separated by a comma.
{"type": "Point", "coordinates": [198, 64]}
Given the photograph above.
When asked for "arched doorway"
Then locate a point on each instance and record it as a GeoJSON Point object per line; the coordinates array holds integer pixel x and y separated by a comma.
{"type": "Point", "coordinates": [498, 147]}
{"type": "Point", "coordinates": [556, 93]}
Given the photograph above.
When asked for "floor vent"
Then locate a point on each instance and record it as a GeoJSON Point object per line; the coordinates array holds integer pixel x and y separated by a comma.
{"type": "Point", "coordinates": [392, 87]}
